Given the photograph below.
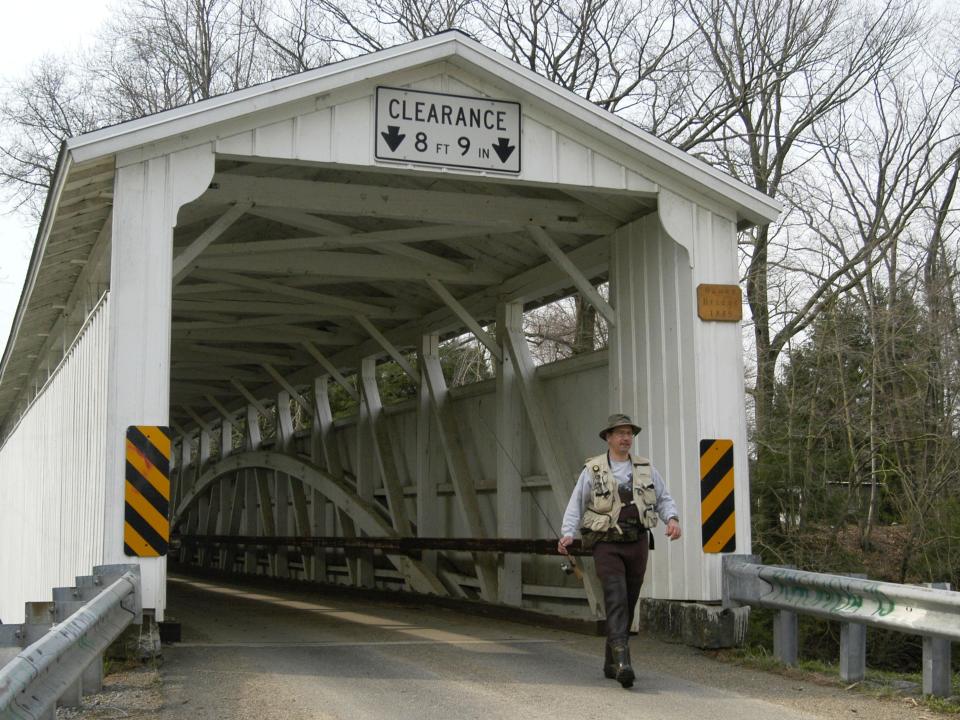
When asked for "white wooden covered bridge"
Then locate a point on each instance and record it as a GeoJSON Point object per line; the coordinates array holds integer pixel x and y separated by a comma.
{"type": "Point", "coordinates": [221, 267]}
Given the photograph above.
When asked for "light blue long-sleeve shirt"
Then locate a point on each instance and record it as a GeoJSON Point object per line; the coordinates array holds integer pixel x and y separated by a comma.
{"type": "Point", "coordinates": [623, 471]}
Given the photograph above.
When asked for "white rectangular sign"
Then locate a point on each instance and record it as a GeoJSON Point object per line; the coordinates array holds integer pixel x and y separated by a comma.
{"type": "Point", "coordinates": [451, 130]}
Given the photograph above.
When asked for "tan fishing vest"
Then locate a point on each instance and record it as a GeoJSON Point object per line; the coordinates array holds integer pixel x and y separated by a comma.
{"type": "Point", "coordinates": [603, 508]}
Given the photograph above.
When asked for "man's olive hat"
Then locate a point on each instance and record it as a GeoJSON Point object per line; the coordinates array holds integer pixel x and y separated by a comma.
{"type": "Point", "coordinates": [616, 420]}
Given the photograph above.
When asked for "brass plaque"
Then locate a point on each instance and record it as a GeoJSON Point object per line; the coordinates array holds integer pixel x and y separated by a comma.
{"type": "Point", "coordinates": [720, 302]}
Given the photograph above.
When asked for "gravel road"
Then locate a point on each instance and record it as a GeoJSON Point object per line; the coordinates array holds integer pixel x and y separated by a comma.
{"type": "Point", "coordinates": [256, 654]}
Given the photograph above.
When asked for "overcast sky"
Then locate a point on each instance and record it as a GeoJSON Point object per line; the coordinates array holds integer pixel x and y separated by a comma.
{"type": "Point", "coordinates": [28, 31]}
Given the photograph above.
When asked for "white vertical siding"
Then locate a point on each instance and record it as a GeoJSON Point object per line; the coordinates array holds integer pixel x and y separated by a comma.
{"type": "Point", "coordinates": [711, 240]}
{"type": "Point", "coordinates": [51, 502]}
{"type": "Point", "coordinates": [339, 129]}
{"type": "Point", "coordinates": [653, 378]}
{"type": "Point", "coordinates": [682, 377]}
{"type": "Point", "coordinates": [721, 406]}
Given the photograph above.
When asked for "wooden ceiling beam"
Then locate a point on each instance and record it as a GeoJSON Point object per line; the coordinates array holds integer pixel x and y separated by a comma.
{"type": "Point", "coordinates": [543, 240]}
{"type": "Point", "coordinates": [183, 262]}
{"type": "Point", "coordinates": [375, 239]}
{"type": "Point", "coordinates": [331, 369]}
{"type": "Point", "coordinates": [465, 317]}
{"type": "Point", "coordinates": [276, 288]}
{"type": "Point", "coordinates": [231, 356]}
{"type": "Point", "coordinates": [280, 334]}
{"type": "Point", "coordinates": [263, 308]}
{"type": "Point", "coordinates": [250, 322]}
{"type": "Point", "coordinates": [302, 220]}
{"type": "Point", "coordinates": [408, 204]}
{"type": "Point", "coordinates": [391, 349]}
{"type": "Point", "coordinates": [343, 265]}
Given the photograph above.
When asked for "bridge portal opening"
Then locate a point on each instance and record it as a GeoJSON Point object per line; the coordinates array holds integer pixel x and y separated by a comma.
{"type": "Point", "coordinates": [316, 312]}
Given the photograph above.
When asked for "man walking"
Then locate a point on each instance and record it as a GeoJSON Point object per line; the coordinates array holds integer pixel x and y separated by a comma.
{"type": "Point", "coordinates": [615, 504]}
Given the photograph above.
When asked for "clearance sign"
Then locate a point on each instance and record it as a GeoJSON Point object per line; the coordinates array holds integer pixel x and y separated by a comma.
{"type": "Point", "coordinates": [449, 130]}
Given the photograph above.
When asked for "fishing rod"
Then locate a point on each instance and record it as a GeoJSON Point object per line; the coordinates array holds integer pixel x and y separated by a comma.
{"type": "Point", "coordinates": [567, 566]}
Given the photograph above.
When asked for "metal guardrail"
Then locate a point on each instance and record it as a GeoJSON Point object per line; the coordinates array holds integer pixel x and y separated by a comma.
{"type": "Point", "coordinates": [931, 611]}
{"type": "Point", "coordinates": [57, 665]}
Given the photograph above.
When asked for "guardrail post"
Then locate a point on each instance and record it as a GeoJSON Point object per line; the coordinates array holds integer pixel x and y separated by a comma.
{"type": "Point", "coordinates": [786, 636]}
{"type": "Point", "coordinates": [92, 678]}
{"type": "Point", "coordinates": [853, 652]}
{"type": "Point", "coordinates": [72, 696]}
{"type": "Point", "coordinates": [853, 647]}
{"type": "Point", "coordinates": [786, 633]}
{"type": "Point", "coordinates": [937, 675]}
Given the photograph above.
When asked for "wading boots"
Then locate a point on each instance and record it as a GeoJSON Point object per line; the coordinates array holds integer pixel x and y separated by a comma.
{"type": "Point", "coordinates": [617, 654]}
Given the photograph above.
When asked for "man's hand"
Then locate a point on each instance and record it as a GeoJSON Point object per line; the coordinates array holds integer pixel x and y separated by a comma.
{"type": "Point", "coordinates": [563, 543]}
{"type": "Point", "coordinates": [673, 529]}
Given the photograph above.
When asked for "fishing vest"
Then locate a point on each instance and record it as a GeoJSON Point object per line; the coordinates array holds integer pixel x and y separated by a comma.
{"type": "Point", "coordinates": [600, 518]}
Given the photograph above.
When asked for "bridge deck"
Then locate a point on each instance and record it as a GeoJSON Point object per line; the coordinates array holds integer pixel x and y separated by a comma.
{"type": "Point", "coordinates": [253, 653]}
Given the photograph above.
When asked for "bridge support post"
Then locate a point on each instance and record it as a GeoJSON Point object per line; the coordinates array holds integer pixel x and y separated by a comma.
{"type": "Point", "coordinates": [509, 427]}
{"type": "Point", "coordinates": [147, 196]}
{"type": "Point", "coordinates": [382, 447]}
{"type": "Point", "coordinates": [228, 497]}
{"type": "Point", "coordinates": [318, 503]}
{"type": "Point", "coordinates": [552, 447]}
{"type": "Point", "coordinates": [460, 471]}
{"type": "Point", "coordinates": [279, 491]}
{"type": "Point", "coordinates": [198, 520]}
{"type": "Point", "coordinates": [430, 464]}
{"type": "Point", "coordinates": [364, 470]}
{"type": "Point", "coordinates": [256, 492]}
{"type": "Point", "coordinates": [185, 478]}
{"type": "Point", "coordinates": [325, 445]}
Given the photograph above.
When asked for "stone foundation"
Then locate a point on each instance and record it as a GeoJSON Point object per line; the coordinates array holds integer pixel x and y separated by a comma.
{"type": "Point", "coordinates": [697, 624]}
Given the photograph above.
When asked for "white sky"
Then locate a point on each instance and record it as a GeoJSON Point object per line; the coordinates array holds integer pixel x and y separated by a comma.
{"type": "Point", "coordinates": [28, 31]}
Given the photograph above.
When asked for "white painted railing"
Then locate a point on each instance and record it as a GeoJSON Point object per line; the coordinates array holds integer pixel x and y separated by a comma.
{"type": "Point", "coordinates": [931, 611]}
{"type": "Point", "coordinates": [68, 659]}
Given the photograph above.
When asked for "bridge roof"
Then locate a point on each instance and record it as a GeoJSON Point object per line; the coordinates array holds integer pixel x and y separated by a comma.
{"type": "Point", "coordinates": [66, 272]}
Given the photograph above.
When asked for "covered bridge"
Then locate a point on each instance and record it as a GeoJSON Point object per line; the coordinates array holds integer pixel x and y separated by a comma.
{"type": "Point", "coordinates": [225, 268]}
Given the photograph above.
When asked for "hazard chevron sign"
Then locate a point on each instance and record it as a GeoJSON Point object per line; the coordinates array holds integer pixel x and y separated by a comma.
{"type": "Point", "coordinates": [146, 527]}
{"type": "Point", "coordinates": [717, 517]}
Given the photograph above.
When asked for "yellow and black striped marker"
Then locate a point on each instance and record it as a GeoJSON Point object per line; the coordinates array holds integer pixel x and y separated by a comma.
{"type": "Point", "coordinates": [717, 516]}
{"type": "Point", "coordinates": [146, 528]}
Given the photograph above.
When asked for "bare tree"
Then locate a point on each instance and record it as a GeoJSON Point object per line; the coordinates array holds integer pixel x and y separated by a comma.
{"type": "Point", "coordinates": [291, 34]}
{"type": "Point", "coordinates": [51, 103]}
{"type": "Point", "coordinates": [607, 51]}
{"type": "Point", "coordinates": [782, 66]}
{"type": "Point", "coordinates": [158, 54]}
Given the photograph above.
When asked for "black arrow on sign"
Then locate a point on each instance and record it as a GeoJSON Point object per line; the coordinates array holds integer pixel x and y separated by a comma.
{"type": "Point", "coordinates": [393, 137]}
{"type": "Point", "coordinates": [504, 149]}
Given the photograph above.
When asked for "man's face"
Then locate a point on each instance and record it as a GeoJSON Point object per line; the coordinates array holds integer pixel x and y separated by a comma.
{"type": "Point", "coordinates": [620, 439]}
